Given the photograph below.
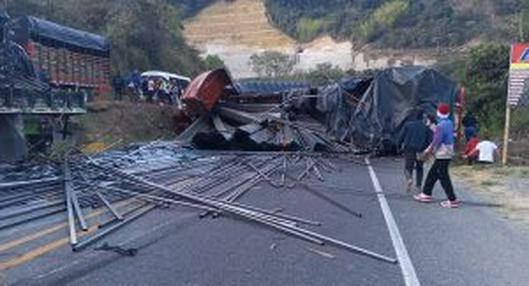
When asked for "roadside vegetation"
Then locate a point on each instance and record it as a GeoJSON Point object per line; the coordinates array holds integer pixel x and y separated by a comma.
{"type": "Point", "coordinates": [398, 23]}
{"type": "Point", "coordinates": [483, 71]}
{"type": "Point", "coordinates": [505, 188]}
{"type": "Point", "coordinates": [145, 34]}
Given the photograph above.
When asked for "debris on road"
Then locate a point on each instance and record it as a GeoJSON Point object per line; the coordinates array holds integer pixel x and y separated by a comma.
{"type": "Point", "coordinates": [356, 114]}
{"type": "Point", "coordinates": [160, 174]}
{"type": "Point", "coordinates": [245, 134]}
{"type": "Point", "coordinates": [321, 253]}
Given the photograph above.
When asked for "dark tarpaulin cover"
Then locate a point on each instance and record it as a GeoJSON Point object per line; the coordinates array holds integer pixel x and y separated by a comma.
{"type": "Point", "coordinates": [336, 111]}
{"type": "Point", "coordinates": [390, 99]}
{"type": "Point", "coordinates": [52, 33]}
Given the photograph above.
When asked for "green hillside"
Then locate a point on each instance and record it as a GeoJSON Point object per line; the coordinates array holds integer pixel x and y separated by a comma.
{"type": "Point", "coordinates": [145, 34]}
{"type": "Point", "coordinates": [398, 23]}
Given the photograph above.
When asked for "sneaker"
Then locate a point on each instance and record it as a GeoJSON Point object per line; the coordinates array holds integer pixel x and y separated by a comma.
{"type": "Point", "coordinates": [450, 204]}
{"type": "Point", "coordinates": [423, 198]}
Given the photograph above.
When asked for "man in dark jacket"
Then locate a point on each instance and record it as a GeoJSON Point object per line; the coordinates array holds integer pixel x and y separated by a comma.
{"type": "Point", "coordinates": [414, 139]}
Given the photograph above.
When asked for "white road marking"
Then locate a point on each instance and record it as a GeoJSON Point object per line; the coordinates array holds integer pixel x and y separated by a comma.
{"type": "Point", "coordinates": [406, 266]}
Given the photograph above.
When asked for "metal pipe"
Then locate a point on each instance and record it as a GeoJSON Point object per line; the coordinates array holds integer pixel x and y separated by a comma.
{"type": "Point", "coordinates": [157, 198]}
{"type": "Point", "coordinates": [69, 207]}
{"type": "Point", "coordinates": [13, 185]}
{"type": "Point", "coordinates": [83, 244]}
{"type": "Point", "coordinates": [301, 176]}
{"type": "Point", "coordinates": [265, 177]}
{"type": "Point", "coordinates": [316, 170]}
{"type": "Point", "coordinates": [78, 211]}
{"type": "Point", "coordinates": [30, 209]}
{"type": "Point", "coordinates": [263, 219]}
{"type": "Point", "coordinates": [32, 218]}
{"type": "Point", "coordinates": [231, 209]}
{"type": "Point", "coordinates": [109, 206]}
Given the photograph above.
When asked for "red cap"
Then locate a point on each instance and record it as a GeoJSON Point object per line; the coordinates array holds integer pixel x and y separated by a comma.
{"type": "Point", "coordinates": [443, 110]}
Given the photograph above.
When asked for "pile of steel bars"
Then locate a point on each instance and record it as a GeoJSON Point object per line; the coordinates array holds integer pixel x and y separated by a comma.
{"type": "Point", "coordinates": [164, 174]}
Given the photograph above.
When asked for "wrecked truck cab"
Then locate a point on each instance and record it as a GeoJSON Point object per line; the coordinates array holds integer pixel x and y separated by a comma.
{"type": "Point", "coordinates": [205, 90]}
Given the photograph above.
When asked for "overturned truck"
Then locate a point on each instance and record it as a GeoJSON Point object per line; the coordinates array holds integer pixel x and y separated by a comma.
{"type": "Point", "coordinates": [357, 114]}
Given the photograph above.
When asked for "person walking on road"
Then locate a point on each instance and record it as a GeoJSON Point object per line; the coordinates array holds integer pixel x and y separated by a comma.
{"type": "Point", "coordinates": [442, 147]}
{"type": "Point", "coordinates": [415, 138]}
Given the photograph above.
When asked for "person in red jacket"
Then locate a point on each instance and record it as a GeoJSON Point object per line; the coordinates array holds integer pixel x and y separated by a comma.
{"type": "Point", "coordinates": [469, 155]}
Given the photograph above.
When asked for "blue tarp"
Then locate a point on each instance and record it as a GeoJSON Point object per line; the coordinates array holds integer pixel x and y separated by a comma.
{"type": "Point", "coordinates": [46, 32]}
{"type": "Point", "coordinates": [269, 87]}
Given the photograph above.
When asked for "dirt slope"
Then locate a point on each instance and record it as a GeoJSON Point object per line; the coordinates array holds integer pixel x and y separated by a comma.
{"type": "Point", "coordinates": [235, 30]}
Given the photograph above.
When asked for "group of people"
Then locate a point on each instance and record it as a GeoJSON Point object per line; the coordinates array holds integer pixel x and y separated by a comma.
{"type": "Point", "coordinates": [150, 89]}
{"type": "Point", "coordinates": [426, 137]}
{"type": "Point", "coordinates": [161, 90]}
{"type": "Point", "coordinates": [481, 151]}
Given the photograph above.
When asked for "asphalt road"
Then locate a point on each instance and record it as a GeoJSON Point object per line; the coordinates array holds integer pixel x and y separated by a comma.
{"type": "Point", "coordinates": [468, 246]}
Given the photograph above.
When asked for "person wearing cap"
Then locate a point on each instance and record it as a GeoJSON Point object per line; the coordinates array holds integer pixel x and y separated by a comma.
{"type": "Point", "coordinates": [442, 147]}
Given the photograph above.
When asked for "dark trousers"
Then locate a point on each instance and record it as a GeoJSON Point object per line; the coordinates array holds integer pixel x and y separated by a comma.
{"type": "Point", "coordinates": [411, 163]}
{"type": "Point", "coordinates": [439, 171]}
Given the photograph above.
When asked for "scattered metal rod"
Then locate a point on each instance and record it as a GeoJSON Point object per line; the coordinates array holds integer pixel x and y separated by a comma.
{"type": "Point", "coordinates": [253, 216]}
{"type": "Point", "coordinates": [85, 243]}
{"type": "Point", "coordinates": [24, 220]}
{"type": "Point", "coordinates": [281, 215]}
{"type": "Point", "coordinates": [157, 198]}
{"type": "Point", "coordinates": [348, 246]}
{"type": "Point", "coordinates": [30, 209]}
{"type": "Point", "coordinates": [78, 211]}
{"type": "Point", "coordinates": [323, 166]}
{"type": "Point", "coordinates": [125, 213]}
{"type": "Point", "coordinates": [327, 199]}
{"type": "Point", "coordinates": [241, 188]}
{"type": "Point", "coordinates": [247, 214]}
{"type": "Point", "coordinates": [26, 195]}
{"type": "Point", "coordinates": [265, 177]}
{"type": "Point", "coordinates": [8, 194]}
{"type": "Point", "coordinates": [301, 176]}
{"type": "Point", "coordinates": [153, 189]}
{"type": "Point", "coordinates": [13, 185]}
{"type": "Point", "coordinates": [285, 169]}
{"type": "Point", "coordinates": [326, 162]}
{"type": "Point", "coordinates": [244, 186]}
{"type": "Point", "coordinates": [69, 205]}
{"type": "Point", "coordinates": [316, 170]}
{"type": "Point", "coordinates": [109, 206]}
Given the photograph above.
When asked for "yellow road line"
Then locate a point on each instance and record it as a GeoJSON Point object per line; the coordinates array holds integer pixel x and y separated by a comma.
{"type": "Point", "coordinates": [51, 229]}
{"type": "Point", "coordinates": [37, 252]}
{"type": "Point", "coordinates": [31, 237]}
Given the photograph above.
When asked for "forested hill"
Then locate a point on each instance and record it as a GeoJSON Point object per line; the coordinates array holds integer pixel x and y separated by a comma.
{"type": "Point", "coordinates": [148, 33]}
{"type": "Point", "coordinates": [398, 23]}
{"type": "Point", "coordinates": [390, 23]}
{"type": "Point", "coordinates": [145, 34]}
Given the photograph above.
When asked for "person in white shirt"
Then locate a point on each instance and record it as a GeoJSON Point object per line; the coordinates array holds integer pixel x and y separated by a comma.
{"type": "Point", "coordinates": [486, 150]}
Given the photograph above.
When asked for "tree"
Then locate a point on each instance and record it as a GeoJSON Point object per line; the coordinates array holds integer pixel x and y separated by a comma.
{"type": "Point", "coordinates": [145, 34]}
{"type": "Point", "coordinates": [212, 62]}
{"type": "Point", "coordinates": [488, 71]}
{"type": "Point", "coordinates": [272, 64]}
